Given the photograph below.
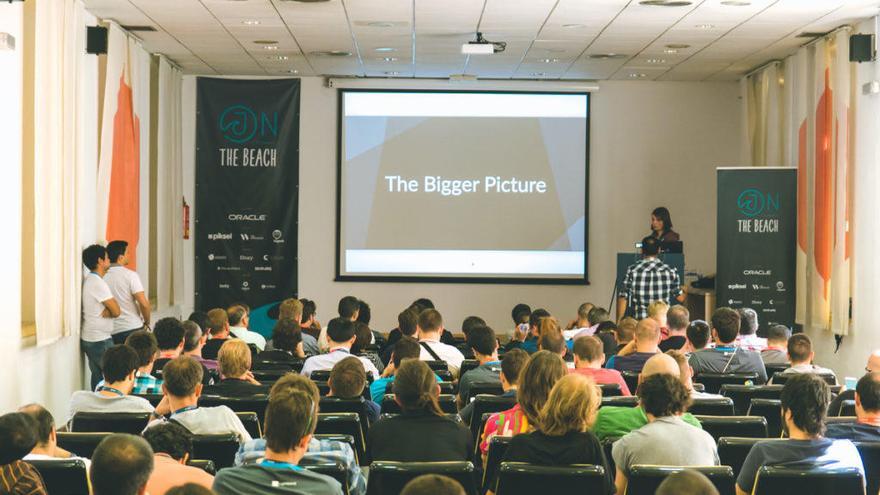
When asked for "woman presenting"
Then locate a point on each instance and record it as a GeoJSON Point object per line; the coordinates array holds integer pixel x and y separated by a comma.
{"type": "Point", "coordinates": [661, 225]}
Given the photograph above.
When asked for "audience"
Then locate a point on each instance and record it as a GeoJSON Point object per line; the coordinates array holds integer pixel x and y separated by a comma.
{"type": "Point", "coordinates": [172, 448]}
{"type": "Point", "coordinates": [98, 310]}
{"type": "Point", "coordinates": [520, 315]}
{"type": "Point", "coordinates": [46, 447]}
{"type": "Point", "coordinates": [407, 323]}
{"type": "Point", "coordinates": [687, 376]}
{"type": "Point", "coordinates": [485, 346]}
{"type": "Point", "coordinates": [551, 339]}
{"type": "Point", "coordinates": [194, 339]}
{"type": "Point", "coordinates": [430, 328]}
{"type": "Point", "coordinates": [286, 344]}
{"type": "Point", "coordinates": [800, 352]}
{"type": "Point", "coordinates": [119, 364]}
{"type": "Point", "coordinates": [236, 379]}
{"type": "Point", "coordinates": [581, 323]}
{"type": "Point", "coordinates": [347, 381]}
{"type": "Point", "coordinates": [748, 331]}
{"type": "Point", "coordinates": [467, 325]}
{"type": "Point", "coordinates": [871, 366]}
{"type": "Point", "coordinates": [121, 465]}
{"type": "Point", "coordinates": [238, 327]}
{"type": "Point", "coordinates": [405, 348]}
{"type": "Point", "coordinates": [218, 324]}
{"type": "Point", "coordinates": [511, 365]}
{"type": "Point", "coordinates": [643, 347]}
{"type": "Point", "coordinates": [341, 335]}
{"type": "Point", "coordinates": [687, 482]}
{"type": "Point", "coordinates": [776, 351]}
{"type": "Point", "coordinates": [128, 292]}
{"type": "Point", "coordinates": [189, 489]}
{"type": "Point", "coordinates": [17, 438]}
{"type": "Point", "coordinates": [309, 321]}
{"type": "Point", "coordinates": [363, 338]}
{"type": "Point", "coordinates": [677, 320]}
{"type": "Point", "coordinates": [170, 335]}
{"type": "Point", "coordinates": [664, 399]}
{"type": "Point", "coordinates": [528, 340]}
{"type": "Point", "coordinates": [626, 330]}
{"type": "Point", "coordinates": [698, 336]}
{"type": "Point", "coordinates": [804, 400]}
{"type": "Point", "coordinates": [145, 345]}
{"type": "Point", "coordinates": [726, 357]}
{"type": "Point", "coordinates": [348, 309]}
{"type": "Point", "coordinates": [588, 360]}
{"type": "Point", "coordinates": [658, 311]}
{"type": "Point", "coordinates": [867, 425]}
{"type": "Point", "coordinates": [292, 309]}
{"type": "Point", "coordinates": [433, 484]}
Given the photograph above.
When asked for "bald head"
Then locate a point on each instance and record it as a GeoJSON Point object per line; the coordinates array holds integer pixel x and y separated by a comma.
{"type": "Point", "coordinates": [874, 361]}
{"type": "Point", "coordinates": [661, 363]}
{"type": "Point", "coordinates": [647, 335]}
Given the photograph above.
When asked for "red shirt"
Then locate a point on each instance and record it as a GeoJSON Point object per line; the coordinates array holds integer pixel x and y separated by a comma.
{"type": "Point", "coordinates": [604, 376]}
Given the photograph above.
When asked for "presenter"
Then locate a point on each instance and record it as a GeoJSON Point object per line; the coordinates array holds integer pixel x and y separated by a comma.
{"type": "Point", "coordinates": [648, 280]}
{"type": "Point", "coordinates": [661, 225]}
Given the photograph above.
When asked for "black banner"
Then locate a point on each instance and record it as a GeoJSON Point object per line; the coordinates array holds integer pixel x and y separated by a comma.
{"type": "Point", "coordinates": [757, 235]}
{"type": "Point", "coordinates": [247, 179]}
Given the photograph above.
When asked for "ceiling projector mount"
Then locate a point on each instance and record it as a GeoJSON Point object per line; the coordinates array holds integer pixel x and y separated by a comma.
{"type": "Point", "coordinates": [482, 46]}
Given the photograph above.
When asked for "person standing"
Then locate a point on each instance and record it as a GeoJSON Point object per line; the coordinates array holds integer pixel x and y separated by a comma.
{"type": "Point", "coordinates": [127, 289]}
{"type": "Point", "coordinates": [661, 225]}
{"type": "Point", "coordinates": [647, 281]}
{"type": "Point", "coordinates": [98, 309]}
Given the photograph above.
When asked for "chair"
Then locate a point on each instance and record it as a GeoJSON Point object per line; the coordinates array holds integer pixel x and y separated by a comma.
{"type": "Point", "coordinates": [870, 453]}
{"type": "Point", "coordinates": [447, 404]}
{"type": "Point", "coordinates": [742, 395]}
{"type": "Point", "coordinates": [841, 419]}
{"type": "Point", "coordinates": [133, 423]}
{"type": "Point", "coordinates": [772, 369]}
{"type": "Point", "coordinates": [644, 480]}
{"type": "Point", "coordinates": [611, 389]}
{"type": "Point", "coordinates": [339, 405]}
{"type": "Point", "coordinates": [335, 470]}
{"type": "Point", "coordinates": [621, 401]}
{"type": "Point", "coordinates": [781, 378]}
{"type": "Point", "coordinates": [82, 444]}
{"type": "Point", "coordinates": [607, 446]}
{"type": "Point", "coordinates": [714, 381]}
{"type": "Point", "coordinates": [847, 408]}
{"type": "Point", "coordinates": [519, 478]}
{"type": "Point", "coordinates": [269, 376]}
{"type": "Point", "coordinates": [445, 375]}
{"type": "Point", "coordinates": [253, 403]}
{"type": "Point", "coordinates": [153, 399]}
{"type": "Point", "coordinates": [497, 449]}
{"type": "Point", "coordinates": [323, 388]}
{"type": "Point", "coordinates": [467, 365]}
{"type": "Point", "coordinates": [344, 424]}
{"type": "Point", "coordinates": [734, 426]}
{"type": "Point", "coordinates": [733, 450]}
{"type": "Point", "coordinates": [438, 365]}
{"type": "Point", "coordinates": [632, 380]}
{"type": "Point", "coordinates": [320, 375]}
{"type": "Point", "coordinates": [203, 464]}
{"type": "Point", "coordinates": [251, 423]}
{"type": "Point", "coordinates": [64, 476]}
{"type": "Point", "coordinates": [487, 404]}
{"type": "Point", "coordinates": [293, 365]}
{"type": "Point", "coordinates": [337, 438]}
{"type": "Point", "coordinates": [807, 480]}
{"type": "Point", "coordinates": [712, 407]}
{"type": "Point", "coordinates": [388, 477]}
{"type": "Point", "coordinates": [770, 409]}
{"type": "Point", "coordinates": [484, 388]}
{"type": "Point", "coordinates": [220, 448]}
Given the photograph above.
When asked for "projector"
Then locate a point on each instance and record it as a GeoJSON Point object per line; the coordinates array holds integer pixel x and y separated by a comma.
{"type": "Point", "coordinates": [482, 46]}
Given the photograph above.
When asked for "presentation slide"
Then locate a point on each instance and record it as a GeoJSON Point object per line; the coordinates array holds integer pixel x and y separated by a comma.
{"type": "Point", "coordinates": [463, 185]}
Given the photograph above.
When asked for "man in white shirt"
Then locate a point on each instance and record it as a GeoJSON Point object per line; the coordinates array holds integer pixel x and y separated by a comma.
{"type": "Point", "coordinates": [341, 336]}
{"type": "Point", "coordinates": [429, 329]}
{"type": "Point", "coordinates": [349, 308]}
{"type": "Point", "coordinates": [126, 287]}
{"type": "Point", "coordinates": [238, 327]}
{"type": "Point", "coordinates": [800, 352]}
{"type": "Point", "coordinates": [98, 309]}
{"type": "Point", "coordinates": [120, 364]}
{"type": "Point", "coordinates": [47, 448]}
{"type": "Point", "coordinates": [580, 324]}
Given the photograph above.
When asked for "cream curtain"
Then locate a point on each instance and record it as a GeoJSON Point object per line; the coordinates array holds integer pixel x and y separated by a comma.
{"type": "Point", "coordinates": [764, 98]}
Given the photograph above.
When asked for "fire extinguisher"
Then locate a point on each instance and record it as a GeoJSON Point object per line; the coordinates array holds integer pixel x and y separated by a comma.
{"type": "Point", "coordinates": [185, 220]}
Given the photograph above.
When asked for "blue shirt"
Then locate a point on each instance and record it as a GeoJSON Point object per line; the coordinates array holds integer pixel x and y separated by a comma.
{"type": "Point", "coordinates": [377, 388]}
{"type": "Point", "coordinates": [821, 452]}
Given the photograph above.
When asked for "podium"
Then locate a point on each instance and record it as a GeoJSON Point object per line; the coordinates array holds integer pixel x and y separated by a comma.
{"type": "Point", "coordinates": [624, 260]}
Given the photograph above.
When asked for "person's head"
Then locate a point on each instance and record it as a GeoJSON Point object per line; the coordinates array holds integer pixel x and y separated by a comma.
{"type": "Point", "coordinates": [647, 335]}
{"type": "Point", "coordinates": [650, 246]}
{"type": "Point", "coordinates": [535, 320]}
{"type": "Point", "coordinates": [748, 318]}
{"type": "Point", "coordinates": [44, 425]}
{"type": "Point", "coordinates": [583, 311]}
{"type": "Point", "coordinates": [662, 395]}
{"type": "Point", "coordinates": [348, 308]}
{"type": "Point", "coordinates": [551, 338]}
{"type": "Point", "coordinates": [433, 484]}
{"type": "Point", "coordinates": [415, 388]}
{"type": "Point", "coordinates": [347, 378]}
{"type": "Point", "coordinates": [200, 318]}
{"type": "Point", "coordinates": [145, 345]}
{"type": "Point", "coordinates": [182, 377]}
{"type": "Point", "coordinates": [407, 322]}
{"type": "Point", "coordinates": [121, 465]}
{"type": "Point", "coordinates": [589, 352]}
{"type": "Point", "coordinates": [309, 311]}
{"type": "Point", "coordinates": [597, 315]}
{"type": "Point", "coordinates": [470, 323]}
{"type": "Point", "coordinates": [660, 364]}
{"type": "Point", "coordinates": [18, 436]}
{"type": "Point", "coordinates": [657, 311]}
{"type": "Point", "coordinates": [364, 313]}
{"type": "Point", "coordinates": [363, 337]}
{"type": "Point", "coordinates": [540, 373]}
{"type": "Point", "coordinates": [626, 330]}
{"type": "Point", "coordinates": [424, 303]}
{"type": "Point", "coordinates": [169, 334]}
{"type": "Point", "coordinates": [698, 334]}
{"type": "Point", "coordinates": [873, 363]}
{"type": "Point", "coordinates": [193, 337]}
{"type": "Point", "coordinates": [218, 323]}
{"type": "Point", "coordinates": [405, 348]}
{"type": "Point", "coordinates": [520, 313]}
{"type": "Point", "coordinates": [725, 325]}
{"type": "Point", "coordinates": [238, 316]}
{"type": "Point", "coordinates": [430, 323]}
{"type": "Point", "coordinates": [189, 489]}
{"type": "Point", "coordinates": [686, 373]}
{"type": "Point", "coordinates": [119, 364]}
{"type": "Point", "coordinates": [482, 340]}
{"type": "Point", "coordinates": [234, 358]}
{"type": "Point", "coordinates": [678, 318]}
{"type": "Point", "coordinates": [95, 258]}
{"type": "Point", "coordinates": [805, 398]}
{"type": "Point", "coordinates": [686, 482]}
{"type": "Point", "coordinates": [171, 439]}
{"type": "Point", "coordinates": [341, 332]}
{"type": "Point", "coordinates": [660, 220]}
{"type": "Point", "coordinates": [512, 364]}
{"type": "Point", "coordinates": [290, 308]}
{"type": "Point", "coordinates": [571, 406]}
{"type": "Point", "coordinates": [777, 335]}
{"type": "Point", "coordinates": [868, 395]}
{"type": "Point", "coordinates": [287, 335]}
{"type": "Point", "coordinates": [117, 252]}
{"type": "Point", "coordinates": [297, 383]}
{"type": "Point", "coordinates": [800, 349]}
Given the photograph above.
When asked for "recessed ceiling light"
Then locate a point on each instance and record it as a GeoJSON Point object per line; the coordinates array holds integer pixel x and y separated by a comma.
{"type": "Point", "coordinates": [548, 60]}
{"type": "Point", "coordinates": [266, 42]}
{"type": "Point", "coordinates": [292, 71]}
{"type": "Point", "coordinates": [270, 47]}
{"type": "Point", "coordinates": [665, 3]}
{"type": "Point", "coordinates": [705, 26]}
{"type": "Point", "coordinates": [637, 75]}
{"type": "Point", "coordinates": [381, 24]}
{"type": "Point", "coordinates": [736, 3]}
{"type": "Point", "coordinates": [538, 74]}
{"type": "Point", "coordinates": [606, 56]}
{"type": "Point", "coordinates": [392, 73]}
{"type": "Point", "coordinates": [305, 1]}
{"type": "Point", "coordinates": [670, 51]}
{"type": "Point", "coordinates": [332, 53]}
{"type": "Point", "coordinates": [550, 50]}
{"type": "Point", "coordinates": [677, 46]}
{"type": "Point", "coordinates": [383, 49]}
{"type": "Point", "coordinates": [389, 59]}
{"type": "Point", "coordinates": [278, 57]}
{"type": "Point", "coordinates": [250, 22]}
{"type": "Point", "coordinates": [656, 61]}
{"type": "Point", "coordinates": [574, 26]}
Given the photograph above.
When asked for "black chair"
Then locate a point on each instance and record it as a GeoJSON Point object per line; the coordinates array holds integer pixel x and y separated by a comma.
{"type": "Point", "coordinates": [253, 403]}
{"type": "Point", "coordinates": [133, 423]}
{"type": "Point", "coordinates": [611, 389]}
{"type": "Point", "coordinates": [323, 388]}
{"type": "Point", "coordinates": [781, 378]}
{"type": "Point", "coordinates": [734, 426]}
{"type": "Point", "coordinates": [63, 476]}
{"type": "Point", "coordinates": [203, 464]}
{"type": "Point", "coordinates": [320, 375]}
{"type": "Point", "coordinates": [742, 395]}
{"type": "Point", "coordinates": [445, 375]}
{"type": "Point", "coordinates": [251, 423]}
{"type": "Point", "coordinates": [450, 416]}
{"type": "Point", "coordinates": [632, 380]}
{"type": "Point", "coordinates": [337, 438]}
{"type": "Point", "coordinates": [219, 448]}
{"type": "Point", "coordinates": [808, 480]}
{"type": "Point", "coordinates": [497, 449]}
{"type": "Point", "coordinates": [733, 451]}
{"type": "Point", "coordinates": [82, 444]}
{"type": "Point", "coordinates": [438, 365]}
{"type": "Point", "coordinates": [484, 388]}
{"type": "Point", "coordinates": [153, 399]}
{"type": "Point", "coordinates": [841, 419]}
{"type": "Point", "coordinates": [621, 401]}
{"type": "Point", "coordinates": [519, 478]}
{"type": "Point", "coordinates": [722, 406]}
{"type": "Point", "coordinates": [870, 453]}
{"type": "Point", "coordinates": [445, 388]}
{"type": "Point", "coordinates": [467, 365]}
{"type": "Point", "coordinates": [447, 404]}
{"type": "Point", "coordinates": [267, 377]}
{"type": "Point", "coordinates": [487, 404]}
{"type": "Point", "coordinates": [344, 424]}
{"type": "Point", "coordinates": [770, 409]}
{"type": "Point", "coordinates": [644, 480]}
{"type": "Point", "coordinates": [339, 405]}
{"type": "Point", "coordinates": [607, 446]}
{"type": "Point", "coordinates": [388, 477]}
{"type": "Point", "coordinates": [847, 408]}
{"type": "Point", "coordinates": [293, 365]}
{"type": "Point", "coordinates": [335, 470]}
{"type": "Point", "coordinates": [772, 369]}
{"type": "Point", "coordinates": [714, 381]}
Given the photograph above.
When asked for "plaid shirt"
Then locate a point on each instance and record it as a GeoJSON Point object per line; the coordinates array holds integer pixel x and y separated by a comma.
{"type": "Point", "coordinates": [647, 281]}
{"type": "Point", "coordinates": [146, 384]}
{"type": "Point", "coordinates": [318, 451]}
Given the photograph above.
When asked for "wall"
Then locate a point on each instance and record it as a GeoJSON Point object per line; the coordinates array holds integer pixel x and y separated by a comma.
{"type": "Point", "coordinates": [652, 143]}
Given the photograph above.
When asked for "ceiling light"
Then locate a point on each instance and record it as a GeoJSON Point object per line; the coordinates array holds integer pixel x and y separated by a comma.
{"type": "Point", "coordinates": [270, 47]}
{"type": "Point", "coordinates": [637, 75]}
{"type": "Point", "coordinates": [305, 1]}
{"type": "Point", "coordinates": [551, 50]}
{"type": "Point", "coordinates": [384, 49]}
{"type": "Point", "coordinates": [250, 22]}
{"type": "Point", "coordinates": [665, 3]}
{"type": "Point", "coordinates": [677, 46]}
{"type": "Point", "coordinates": [607, 56]}
{"type": "Point", "coordinates": [538, 74]}
{"type": "Point", "coordinates": [656, 61]}
{"type": "Point", "coordinates": [278, 57]}
{"type": "Point", "coordinates": [548, 60]}
{"type": "Point", "coordinates": [292, 71]}
{"type": "Point", "coordinates": [332, 53]}
{"type": "Point", "coordinates": [705, 26]}
{"type": "Point", "coordinates": [266, 42]}
{"type": "Point", "coordinates": [389, 59]}
{"type": "Point", "coordinates": [736, 3]}
{"type": "Point", "coordinates": [392, 73]}
{"type": "Point", "coordinates": [381, 24]}
{"type": "Point", "coordinates": [670, 51]}
{"type": "Point", "coordinates": [574, 26]}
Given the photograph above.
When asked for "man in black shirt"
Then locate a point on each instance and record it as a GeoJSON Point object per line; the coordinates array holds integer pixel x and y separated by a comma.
{"type": "Point", "coordinates": [867, 425]}
{"type": "Point", "coordinates": [677, 319]}
{"type": "Point", "coordinates": [218, 324]}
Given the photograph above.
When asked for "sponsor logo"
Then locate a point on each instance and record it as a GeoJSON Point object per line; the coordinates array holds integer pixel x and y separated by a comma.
{"type": "Point", "coordinates": [780, 287]}
{"type": "Point", "coordinates": [276, 234]}
{"type": "Point", "coordinates": [245, 258]}
{"type": "Point", "coordinates": [267, 286]}
{"type": "Point", "coordinates": [757, 303]}
{"type": "Point", "coordinates": [245, 284]}
{"type": "Point", "coordinates": [220, 236]}
{"type": "Point", "coordinates": [224, 286]}
{"type": "Point", "coordinates": [760, 287]}
{"type": "Point", "coordinates": [764, 273]}
{"type": "Point", "coordinates": [752, 202]}
{"type": "Point", "coordinates": [251, 237]}
{"type": "Point", "coordinates": [736, 286]}
{"type": "Point", "coordinates": [241, 124]}
{"type": "Point", "coordinates": [216, 257]}
{"type": "Point", "coordinates": [246, 217]}
{"type": "Point", "coordinates": [733, 301]}
{"type": "Point", "coordinates": [263, 268]}
{"type": "Point", "coordinates": [228, 268]}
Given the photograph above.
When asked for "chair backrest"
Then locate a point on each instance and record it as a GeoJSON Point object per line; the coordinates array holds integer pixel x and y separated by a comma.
{"type": "Point", "coordinates": [870, 453]}
{"type": "Point", "coordinates": [82, 444]}
{"type": "Point", "coordinates": [807, 480]}
{"type": "Point", "coordinates": [733, 451]}
{"type": "Point", "coordinates": [497, 449]}
{"type": "Point", "coordinates": [781, 378]}
{"type": "Point", "coordinates": [483, 404]}
{"type": "Point", "coordinates": [607, 447]}
{"type": "Point", "coordinates": [467, 365]}
{"type": "Point", "coordinates": [205, 465]}
{"type": "Point", "coordinates": [334, 469]}
{"type": "Point", "coordinates": [133, 423]}
{"type": "Point", "coordinates": [644, 480]}
{"type": "Point", "coordinates": [344, 424]}
{"type": "Point", "coordinates": [219, 448]}
{"type": "Point", "coordinates": [620, 401]}
{"type": "Point", "coordinates": [64, 476]}
{"type": "Point", "coordinates": [267, 377]}
{"type": "Point", "coordinates": [320, 375]}
{"type": "Point", "coordinates": [519, 478]}
{"type": "Point", "coordinates": [770, 409]}
{"type": "Point", "coordinates": [447, 404]}
{"type": "Point", "coordinates": [847, 408]}
{"type": "Point", "coordinates": [293, 364]}
{"type": "Point", "coordinates": [445, 375]}
{"type": "Point", "coordinates": [438, 365]}
{"type": "Point", "coordinates": [734, 426]}
{"type": "Point", "coordinates": [251, 423]}
{"type": "Point", "coordinates": [323, 388]}
{"type": "Point", "coordinates": [390, 477]}
{"type": "Point", "coordinates": [772, 369]}
{"type": "Point", "coordinates": [722, 406]}
{"type": "Point", "coordinates": [337, 438]}
{"type": "Point", "coordinates": [632, 380]}
{"type": "Point", "coordinates": [742, 395]}
{"type": "Point", "coordinates": [484, 388]}
{"type": "Point", "coordinates": [841, 420]}
{"type": "Point", "coordinates": [611, 389]}
{"type": "Point", "coordinates": [254, 403]}
{"type": "Point", "coordinates": [153, 399]}
{"type": "Point", "coordinates": [714, 381]}
{"type": "Point", "coordinates": [339, 405]}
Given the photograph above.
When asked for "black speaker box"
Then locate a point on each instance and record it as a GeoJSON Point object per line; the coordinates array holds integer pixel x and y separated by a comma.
{"type": "Point", "coordinates": [861, 48]}
{"type": "Point", "coordinates": [96, 40]}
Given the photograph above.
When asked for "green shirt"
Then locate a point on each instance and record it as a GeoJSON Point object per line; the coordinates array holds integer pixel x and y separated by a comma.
{"type": "Point", "coordinates": [614, 422]}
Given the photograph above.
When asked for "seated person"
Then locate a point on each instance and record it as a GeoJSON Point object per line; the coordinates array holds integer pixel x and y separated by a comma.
{"type": "Point", "coordinates": [467, 325]}
{"type": "Point", "coordinates": [520, 314]}
{"type": "Point", "coordinates": [589, 355]}
{"type": "Point", "coordinates": [169, 334]}
{"type": "Point", "coordinates": [748, 331]}
{"type": "Point", "coordinates": [363, 338]}
{"type": "Point", "coordinates": [341, 336]}
{"type": "Point", "coordinates": [606, 332]}
{"type": "Point", "coordinates": [482, 341]}
{"type": "Point", "coordinates": [658, 311]}
{"type": "Point", "coordinates": [511, 365]}
{"type": "Point", "coordinates": [236, 379]}
{"type": "Point", "coordinates": [47, 438]}
{"type": "Point", "coordinates": [182, 388]}
{"type": "Point", "coordinates": [800, 352]}
{"type": "Point", "coordinates": [308, 322]}
{"type": "Point", "coordinates": [551, 339]}
{"type": "Point", "coordinates": [318, 450]}
{"type": "Point", "coordinates": [805, 400]}
{"type": "Point", "coordinates": [867, 425]}
{"type": "Point", "coordinates": [121, 465]}
{"type": "Point", "coordinates": [562, 436]}
{"type": "Point", "coordinates": [643, 346]}
{"type": "Point", "coordinates": [433, 484]}
{"type": "Point", "coordinates": [687, 482]}
{"type": "Point", "coordinates": [677, 321]}
{"type": "Point", "coordinates": [687, 377]}
{"type": "Point", "coordinates": [871, 366]}
{"type": "Point", "coordinates": [726, 357]}
{"type": "Point", "coordinates": [119, 365]}
{"type": "Point", "coordinates": [422, 433]}
{"type": "Point", "coordinates": [593, 317]}
{"type": "Point", "coordinates": [218, 327]}
{"type": "Point", "coordinates": [286, 344]}
{"type": "Point", "coordinates": [776, 351]}
{"type": "Point", "coordinates": [666, 439]}
{"type": "Point", "coordinates": [292, 309]}
{"type": "Point", "coordinates": [348, 308]}
{"type": "Point", "coordinates": [537, 377]}
{"type": "Point", "coordinates": [407, 322]}
{"type": "Point", "coordinates": [172, 448]}
{"type": "Point", "coordinates": [528, 340]}
{"type": "Point", "coordinates": [409, 349]}
{"type": "Point", "coordinates": [147, 348]}
{"type": "Point", "coordinates": [626, 331]}
{"type": "Point", "coordinates": [614, 422]}
{"type": "Point", "coordinates": [239, 320]}
{"type": "Point", "coordinates": [347, 381]}
{"type": "Point", "coordinates": [430, 329]}
{"type": "Point", "coordinates": [194, 339]}
{"type": "Point", "coordinates": [698, 335]}
{"type": "Point", "coordinates": [17, 438]}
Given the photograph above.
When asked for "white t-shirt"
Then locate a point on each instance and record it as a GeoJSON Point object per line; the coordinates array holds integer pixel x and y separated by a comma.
{"type": "Point", "coordinates": [124, 284]}
{"type": "Point", "coordinates": [249, 337]}
{"type": "Point", "coordinates": [210, 421]}
{"type": "Point", "coordinates": [445, 352]}
{"type": "Point", "coordinates": [95, 291]}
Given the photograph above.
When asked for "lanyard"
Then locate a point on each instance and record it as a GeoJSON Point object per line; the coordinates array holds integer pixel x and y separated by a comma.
{"type": "Point", "coordinates": [184, 409]}
{"type": "Point", "coordinates": [280, 465]}
{"type": "Point", "coordinates": [492, 363]}
{"type": "Point", "coordinates": [111, 389]}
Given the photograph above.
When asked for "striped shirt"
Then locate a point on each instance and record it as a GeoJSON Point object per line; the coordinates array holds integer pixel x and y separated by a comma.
{"type": "Point", "coordinates": [21, 478]}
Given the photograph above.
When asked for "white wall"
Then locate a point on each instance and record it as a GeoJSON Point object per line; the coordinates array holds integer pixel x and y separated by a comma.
{"type": "Point", "coordinates": [652, 143]}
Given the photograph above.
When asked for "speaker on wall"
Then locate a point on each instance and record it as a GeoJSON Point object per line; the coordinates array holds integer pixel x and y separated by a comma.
{"type": "Point", "coordinates": [96, 40]}
{"type": "Point", "coordinates": [861, 48]}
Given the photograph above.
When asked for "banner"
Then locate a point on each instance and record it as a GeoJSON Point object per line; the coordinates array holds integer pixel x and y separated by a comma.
{"type": "Point", "coordinates": [247, 179]}
{"type": "Point", "coordinates": [757, 236]}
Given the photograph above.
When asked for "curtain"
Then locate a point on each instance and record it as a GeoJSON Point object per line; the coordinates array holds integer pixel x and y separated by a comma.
{"type": "Point", "coordinates": [764, 97]}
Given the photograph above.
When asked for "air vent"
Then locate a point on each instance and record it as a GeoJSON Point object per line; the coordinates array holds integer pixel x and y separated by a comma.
{"type": "Point", "coordinates": [139, 28]}
{"type": "Point", "coordinates": [665, 3]}
{"type": "Point", "coordinates": [331, 53]}
{"type": "Point", "coordinates": [809, 34]}
{"type": "Point", "coordinates": [305, 1]}
{"type": "Point", "coordinates": [607, 56]}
